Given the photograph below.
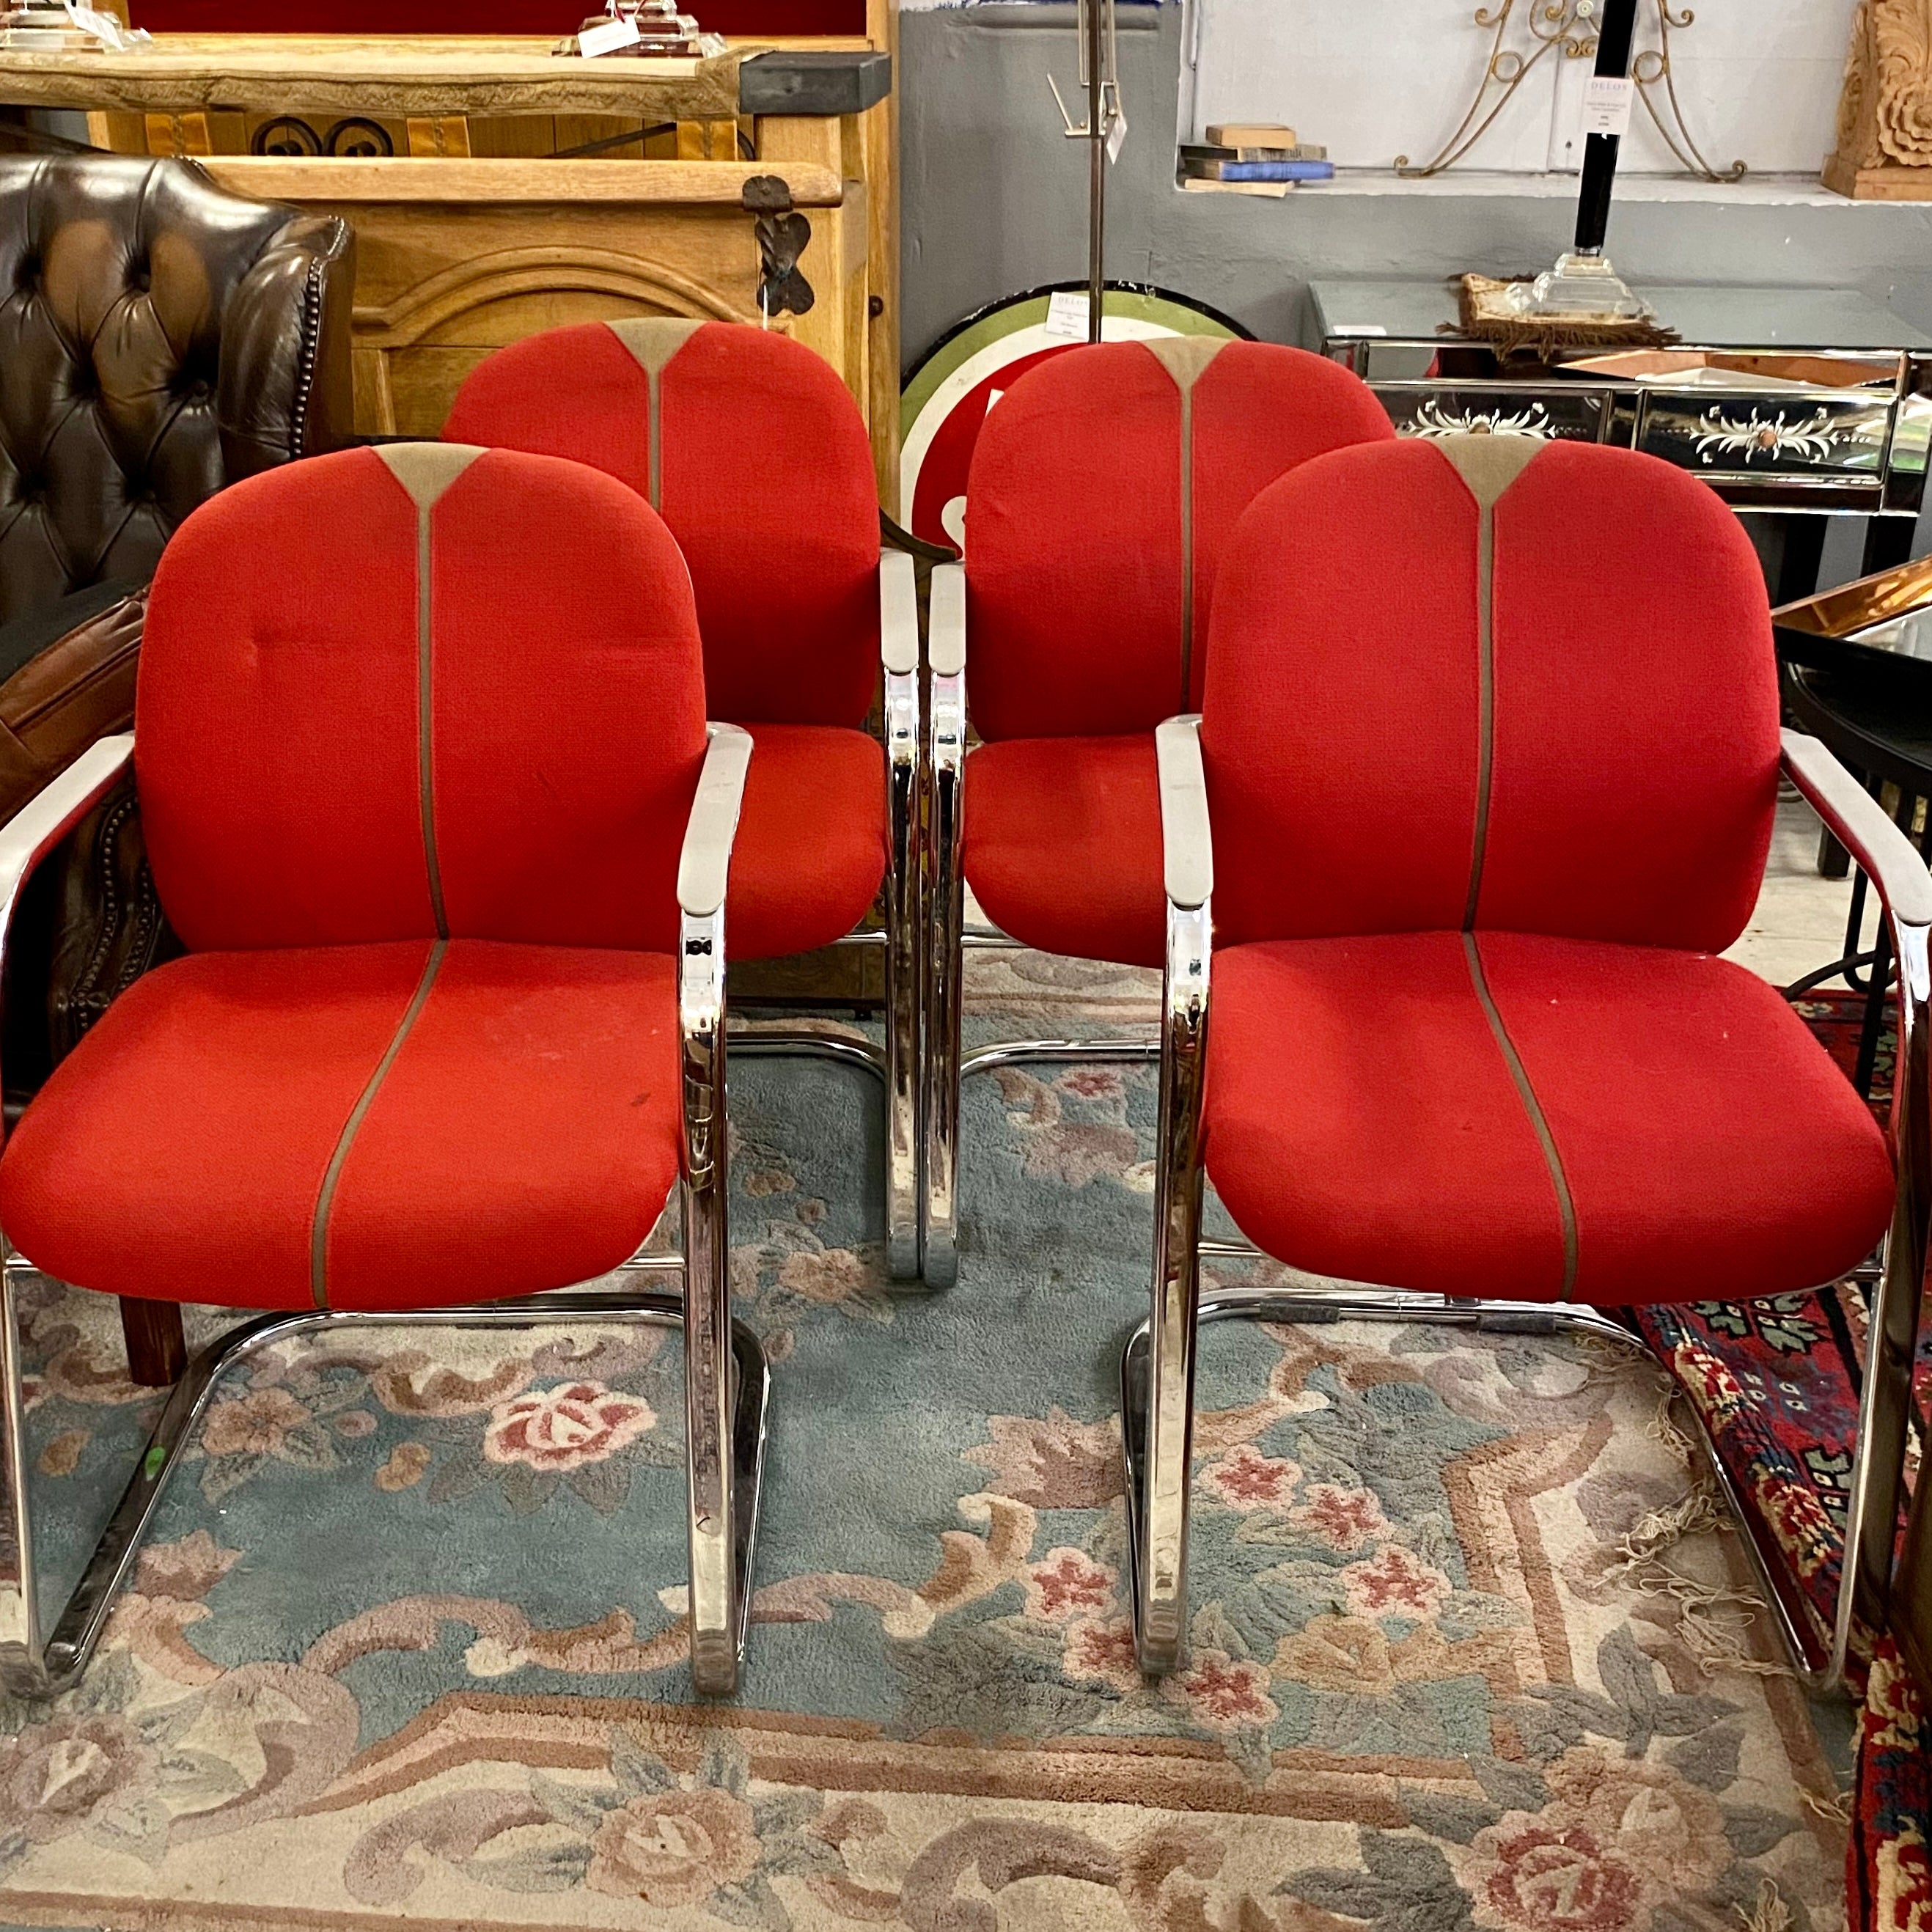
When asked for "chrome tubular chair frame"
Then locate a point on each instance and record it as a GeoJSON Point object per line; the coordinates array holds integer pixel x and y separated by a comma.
{"type": "Point", "coordinates": [896, 1064]}
{"type": "Point", "coordinates": [727, 1381]}
{"type": "Point", "coordinates": [1157, 1364]}
{"type": "Point", "coordinates": [947, 941]}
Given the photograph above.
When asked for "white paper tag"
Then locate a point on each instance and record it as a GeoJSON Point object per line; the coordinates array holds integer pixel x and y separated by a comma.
{"type": "Point", "coordinates": [103, 27]}
{"type": "Point", "coordinates": [1067, 314]}
{"type": "Point", "coordinates": [1607, 105]}
{"type": "Point", "coordinates": [1116, 134]}
{"type": "Point", "coordinates": [607, 36]}
{"type": "Point", "coordinates": [1356, 328]}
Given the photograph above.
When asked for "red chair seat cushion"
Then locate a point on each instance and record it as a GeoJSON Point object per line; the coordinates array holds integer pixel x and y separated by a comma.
{"type": "Point", "coordinates": [1062, 845]}
{"type": "Point", "coordinates": [523, 1136]}
{"type": "Point", "coordinates": [812, 840]}
{"type": "Point", "coordinates": [1364, 1120]}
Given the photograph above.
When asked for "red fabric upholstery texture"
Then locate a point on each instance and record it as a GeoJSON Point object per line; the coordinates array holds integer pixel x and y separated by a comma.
{"type": "Point", "coordinates": [525, 1137]}
{"type": "Point", "coordinates": [283, 691]}
{"type": "Point", "coordinates": [1363, 1121]}
{"type": "Point", "coordinates": [1062, 845]}
{"type": "Point", "coordinates": [1075, 548]}
{"type": "Point", "coordinates": [812, 840]}
{"type": "Point", "coordinates": [767, 482]}
{"type": "Point", "coordinates": [1633, 753]}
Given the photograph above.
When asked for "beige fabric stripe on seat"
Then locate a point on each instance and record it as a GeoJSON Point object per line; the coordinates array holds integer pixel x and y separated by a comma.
{"type": "Point", "coordinates": [1566, 1205]}
{"type": "Point", "coordinates": [1186, 358]}
{"type": "Point", "coordinates": [654, 340]}
{"type": "Point", "coordinates": [318, 1237]}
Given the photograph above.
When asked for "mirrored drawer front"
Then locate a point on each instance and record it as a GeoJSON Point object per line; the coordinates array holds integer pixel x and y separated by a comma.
{"type": "Point", "coordinates": [1751, 438]}
{"type": "Point", "coordinates": [1435, 410]}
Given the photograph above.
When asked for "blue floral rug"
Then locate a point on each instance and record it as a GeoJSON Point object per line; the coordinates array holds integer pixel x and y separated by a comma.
{"type": "Point", "coordinates": [406, 1647]}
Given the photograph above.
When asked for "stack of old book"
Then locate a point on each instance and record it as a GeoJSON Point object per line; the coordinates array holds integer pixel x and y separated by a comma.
{"type": "Point", "coordinates": [1251, 157]}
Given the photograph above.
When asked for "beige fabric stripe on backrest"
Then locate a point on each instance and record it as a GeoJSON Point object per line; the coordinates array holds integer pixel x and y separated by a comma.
{"type": "Point", "coordinates": [1186, 358]}
{"type": "Point", "coordinates": [654, 340]}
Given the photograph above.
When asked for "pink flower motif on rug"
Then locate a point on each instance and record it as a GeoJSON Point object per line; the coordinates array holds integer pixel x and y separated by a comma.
{"type": "Point", "coordinates": [1245, 1479]}
{"type": "Point", "coordinates": [1057, 1463]}
{"type": "Point", "coordinates": [60, 1777]}
{"type": "Point", "coordinates": [830, 1276]}
{"type": "Point", "coordinates": [1228, 1693]}
{"type": "Point", "coordinates": [565, 1428]}
{"type": "Point", "coordinates": [1094, 1083]}
{"type": "Point", "coordinates": [258, 1423]}
{"type": "Point", "coordinates": [1102, 1651]}
{"type": "Point", "coordinates": [1394, 1582]}
{"type": "Point", "coordinates": [1529, 1876]}
{"type": "Point", "coordinates": [675, 1847]}
{"type": "Point", "coordinates": [1344, 1519]}
{"type": "Point", "coordinates": [1067, 1584]}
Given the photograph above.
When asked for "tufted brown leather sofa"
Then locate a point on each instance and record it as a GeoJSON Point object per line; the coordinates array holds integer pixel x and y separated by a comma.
{"type": "Point", "coordinates": [159, 338]}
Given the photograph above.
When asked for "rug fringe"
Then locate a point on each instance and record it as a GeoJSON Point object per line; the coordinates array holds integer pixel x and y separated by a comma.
{"type": "Point", "coordinates": [1770, 1914]}
{"type": "Point", "coordinates": [1836, 1809]}
{"type": "Point", "coordinates": [1716, 1645]}
{"type": "Point", "coordinates": [1663, 1428]}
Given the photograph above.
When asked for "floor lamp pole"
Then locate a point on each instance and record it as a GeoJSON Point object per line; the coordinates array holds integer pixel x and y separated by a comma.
{"type": "Point", "coordinates": [1098, 127]}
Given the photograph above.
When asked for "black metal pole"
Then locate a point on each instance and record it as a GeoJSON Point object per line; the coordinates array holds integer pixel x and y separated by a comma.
{"type": "Point", "coordinates": [1617, 25]}
{"type": "Point", "coordinates": [1097, 148]}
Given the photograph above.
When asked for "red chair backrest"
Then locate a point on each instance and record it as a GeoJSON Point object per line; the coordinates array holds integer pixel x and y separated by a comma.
{"type": "Point", "coordinates": [331, 748]}
{"type": "Point", "coordinates": [1102, 490]}
{"type": "Point", "coordinates": [756, 455]}
{"type": "Point", "coordinates": [1490, 683]}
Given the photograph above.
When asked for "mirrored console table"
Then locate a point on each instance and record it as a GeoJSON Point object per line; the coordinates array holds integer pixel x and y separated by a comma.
{"type": "Point", "coordinates": [1784, 400]}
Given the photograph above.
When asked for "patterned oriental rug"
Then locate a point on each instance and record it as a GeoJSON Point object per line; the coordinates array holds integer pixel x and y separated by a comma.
{"type": "Point", "coordinates": [405, 1649]}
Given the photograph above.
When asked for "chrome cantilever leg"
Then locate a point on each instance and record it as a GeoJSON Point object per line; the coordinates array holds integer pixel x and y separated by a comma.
{"type": "Point", "coordinates": [32, 1665]}
{"type": "Point", "coordinates": [1157, 1423]}
{"type": "Point", "coordinates": [1865, 1582]}
{"type": "Point", "coordinates": [722, 1515]}
{"type": "Point", "coordinates": [946, 916]}
{"type": "Point", "coordinates": [905, 952]}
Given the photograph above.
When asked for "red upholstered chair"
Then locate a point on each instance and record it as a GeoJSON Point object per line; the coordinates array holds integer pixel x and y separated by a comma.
{"type": "Point", "coordinates": [1470, 1041]}
{"type": "Point", "coordinates": [756, 455]}
{"type": "Point", "coordinates": [1102, 491]}
{"type": "Point", "coordinates": [428, 795]}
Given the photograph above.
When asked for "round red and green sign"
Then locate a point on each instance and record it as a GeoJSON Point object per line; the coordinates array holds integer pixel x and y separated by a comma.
{"type": "Point", "coordinates": [965, 373]}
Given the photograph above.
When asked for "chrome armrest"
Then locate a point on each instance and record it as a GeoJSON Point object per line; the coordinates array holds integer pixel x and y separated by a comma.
{"type": "Point", "coordinates": [52, 813]}
{"type": "Point", "coordinates": [1886, 857]}
{"type": "Point", "coordinates": [703, 866]}
{"type": "Point", "coordinates": [1858, 822]}
{"type": "Point", "coordinates": [946, 650]}
{"type": "Point", "coordinates": [1187, 865]}
{"type": "Point", "coordinates": [946, 710]}
{"type": "Point", "coordinates": [899, 654]}
{"type": "Point", "coordinates": [1187, 854]}
{"type": "Point", "coordinates": [1187, 843]}
{"type": "Point", "coordinates": [899, 614]}
{"type": "Point", "coordinates": [705, 863]}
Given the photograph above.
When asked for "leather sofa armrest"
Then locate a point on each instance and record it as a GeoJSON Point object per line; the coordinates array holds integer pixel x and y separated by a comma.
{"type": "Point", "coordinates": [284, 388]}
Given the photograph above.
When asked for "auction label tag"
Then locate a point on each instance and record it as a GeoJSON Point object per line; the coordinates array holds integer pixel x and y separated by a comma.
{"type": "Point", "coordinates": [607, 36]}
{"type": "Point", "coordinates": [1067, 314]}
{"type": "Point", "coordinates": [1607, 105]}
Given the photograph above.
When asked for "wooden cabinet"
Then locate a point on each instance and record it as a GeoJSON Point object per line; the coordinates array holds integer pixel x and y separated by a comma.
{"type": "Point", "coordinates": [474, 229]}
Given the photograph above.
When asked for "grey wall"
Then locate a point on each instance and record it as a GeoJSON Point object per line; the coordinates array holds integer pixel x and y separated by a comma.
{"type": "Point", "coordinates": [995, 200]}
